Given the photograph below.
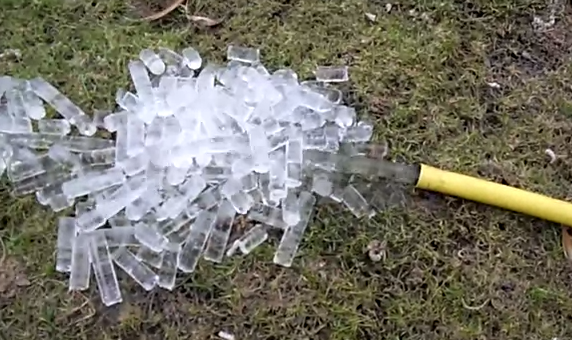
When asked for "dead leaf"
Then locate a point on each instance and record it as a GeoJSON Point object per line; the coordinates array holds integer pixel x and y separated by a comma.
{"type": "Point", "coordinates": [567, 242]}
{"type": "Point", "coordinates": [204, 21]}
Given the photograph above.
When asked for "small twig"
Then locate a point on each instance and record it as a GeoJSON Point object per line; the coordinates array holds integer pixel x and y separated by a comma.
{"type": "Point", "coordinates": [567, 242]}
{"type": "Point", "coordinates": [208, 22]}
{"type": "Point", "coordinates": [3, 251]}
{"type": "Point", "coordinates": [473, 307]}
{"type": "Point", "coordinates": [164, 12]}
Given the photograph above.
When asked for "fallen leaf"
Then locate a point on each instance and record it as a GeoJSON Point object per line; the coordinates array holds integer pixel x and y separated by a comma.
{"type": "Point", "coordinates": [204, 21]}
{"type": "Point", "coordinates": [567, 242]}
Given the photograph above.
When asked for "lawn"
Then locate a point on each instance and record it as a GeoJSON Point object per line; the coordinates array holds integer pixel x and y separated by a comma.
{"type": "Point", "coordinates": [452, 269]}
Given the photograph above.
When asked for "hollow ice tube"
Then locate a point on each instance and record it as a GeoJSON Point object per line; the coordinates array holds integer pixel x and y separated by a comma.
{"type": "Point", "coordinates": [495, 194]}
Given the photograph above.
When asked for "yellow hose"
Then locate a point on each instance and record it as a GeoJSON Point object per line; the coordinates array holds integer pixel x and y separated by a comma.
{"type": "Point", "coordinates": [495, 194]}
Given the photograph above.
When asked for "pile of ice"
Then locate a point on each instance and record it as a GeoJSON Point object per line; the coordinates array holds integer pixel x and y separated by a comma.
{"type": "Point", "coordinates": [192, 149]}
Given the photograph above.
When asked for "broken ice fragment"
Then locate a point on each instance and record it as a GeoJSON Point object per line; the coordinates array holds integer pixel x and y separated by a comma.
{"type": "Point", "coordinates": [292, 237]}
{"type": "Point", "coordinates": [66, 236]}
{"type": "Point", "coordinates": [332, 74]}
{"type": "Point", "coordinates": [355, 202]}
{"type": "Point", "coordinates": [243, 54]}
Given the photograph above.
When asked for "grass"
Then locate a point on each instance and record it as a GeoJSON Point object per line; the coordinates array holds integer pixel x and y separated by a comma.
{"type": "Point", "coordinates": [454, 269]}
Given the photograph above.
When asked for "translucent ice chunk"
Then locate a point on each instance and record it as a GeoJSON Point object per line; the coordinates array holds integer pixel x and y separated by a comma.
{"type": "Point", "coordinates": [141, 81]}
{"type": "Point", "coordinates": [152, 61]}
{"type": "Point", "coordinates": [362, 132]}
{"type": "Point", "coordinates": [105, 276]}
{"type": "Point", "coordinates": [55, 98]}
{"type": "Point", "coordinates": [80, 263]}
{"type": "Point", "coordinates": [199, 232]}
{"type": "Point", "coordinates": [149, 237]}
{"type": "Point", "coordinates": [252, 239]}
{"type": "Point", "coordinates": [290, 208]}
{"type": "Point", "coordinates": [355, 202]}
{"type": "Point", "coordinates": [127, 261]}
{"type": "Point", "coordinates": [332, 74]}
{"type": "Point", "coordinates": [268, 215]}
{"type": "Point", "coordinates": [292, 237]}
{"type": "Point", "coordinates": [93, 182]}
{"type": "Point", "coordinates": [192, 58]}
{"type": "Point", "coordinates": [168, 271]}
{"type": "Point", "coordinates": [149, 256]}
{"type": "Point", "coordinates": [66, 236]}
{"type": "Point", "coordinates": [60, 127]}
{"type": "Point", "coordinates": [243, 54]}
{"type": "Point", "coordinates": [322, 185]}
{"type": "Point", "coordinates": [220, 233]}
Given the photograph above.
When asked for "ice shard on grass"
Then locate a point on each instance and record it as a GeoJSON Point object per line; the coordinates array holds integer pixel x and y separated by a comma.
{"type": "Point", "coordinates": [104, 271]}
{"type": "Point", "coordinates": [80, 264]}
{"type": "Point", "coordinates": [252, 239]}
{"type": "Point", "coordinates": [243, 54]}
{"type": "Point", "coordinates": [195, 243]}
{"type": "Point", "coordinates": [332, 74]}
{"type": "Point", "coordinates": [144, 276]}
{"type": "Point", "coordinates": [221, 232]}
{"type": "Point", "coordinates": [292, 237]}
{"type": "Point", "coordinates": [65, 242]}
{"type": "Point", "coordinates": [355, 202]}
{"type": "Point", "coordinates": [167, 273]}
